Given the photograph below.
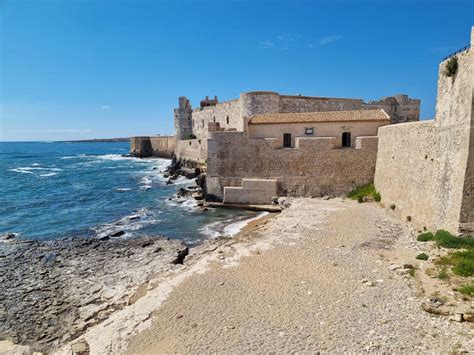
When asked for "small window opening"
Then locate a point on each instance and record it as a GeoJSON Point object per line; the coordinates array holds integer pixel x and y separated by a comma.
{"type": "Point", "coordinates": [214, 118]}
{"type": "Point", "coordinates": [287, 140]}
{"type": "Point", "coordinates": [309, 131]}
{"type": "Point", "coordinates": [346, 139]}
{"type": "Point", "coordinates": [227, 119]}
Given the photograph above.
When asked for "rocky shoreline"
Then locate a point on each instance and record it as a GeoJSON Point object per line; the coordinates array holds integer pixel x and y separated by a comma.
{"type": "Point", "coordinates": [51, 292]}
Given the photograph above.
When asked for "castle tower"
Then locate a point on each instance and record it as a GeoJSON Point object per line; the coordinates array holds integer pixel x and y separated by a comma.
{"type": "Point", "coordinates": [183, 123]}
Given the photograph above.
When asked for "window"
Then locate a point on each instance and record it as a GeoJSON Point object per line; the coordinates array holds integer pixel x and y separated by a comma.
{"type": "Point", "coordinates": [309, 131]}
{"type": "Point", "coordinates": [286, 140]}
{"type": "Point", "coordinates": [346, 139]}
{"type": "Point", "coordinates": [214, 118]}
{"type": "Point", "coordinates": [227, 119]}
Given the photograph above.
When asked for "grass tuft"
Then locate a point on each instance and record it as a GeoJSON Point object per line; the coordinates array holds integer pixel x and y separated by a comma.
{"type": "Point", "coordinates": [467, 290]}
{"type": "Point", "coordinates": [424, 237]}
{"type": "Point", "coordinates": [361, 193]}
{"type": "Point", "coordinates": [422, 256]}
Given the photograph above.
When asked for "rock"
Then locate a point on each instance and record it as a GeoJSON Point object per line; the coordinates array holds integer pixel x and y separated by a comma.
{"type": "Point", "coordinates": [468, 317]}
{"type": "Point", "coordinates": [201, 181]}
{"type": "Point", "coordinates": [169, 182]}
{"type": "Point", "coordinates": [458, 317]}
{"type": "Point", "coordinates": [200, 203]}
{"type": "Point", "coordinates": [283, 202]}
{"type": "Point", "coordinates": [181, 256]}
{"type": "Point", "coordinates": [117, 234]}
{"type": "Point", "coordinates": [326, 198]}
{"type": "Point", "coordinates": [275, 200]}
{"type": "Point", "coordinates": [134, 217]}
{"type": "Point", "coordinates": [80, 347]}
{"type": "Point", "coordinates": [197, 195]}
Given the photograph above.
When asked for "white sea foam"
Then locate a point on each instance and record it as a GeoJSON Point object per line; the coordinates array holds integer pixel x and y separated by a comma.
{"type": "Point", "coordinates": [121, 189]}
{"type": "Point", "coordinates": [127, 224]}
{"type": "Point", "coordinates": [40, 171]}
{"type": "Point", "coordinates": [48, 174]}
{"type": "Point", "coordinates": [228, 227]}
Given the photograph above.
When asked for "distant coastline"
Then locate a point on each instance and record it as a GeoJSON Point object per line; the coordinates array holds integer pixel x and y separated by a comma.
{"type": "Point", "coordinates": [96, 140]}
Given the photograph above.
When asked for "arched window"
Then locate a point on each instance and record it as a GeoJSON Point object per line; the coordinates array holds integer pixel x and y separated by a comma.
{"type": "Point", "coordinates": [227, 119]}
{"type": "Point", "coordinates": [346, 139]}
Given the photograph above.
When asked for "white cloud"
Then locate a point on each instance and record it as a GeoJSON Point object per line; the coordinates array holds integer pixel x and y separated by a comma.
{"type": "Point", "coordinates": [267, 44]}
{"type": "Point", "coordinates": [105, 107]}
{"type": "Point", "coordinates": [67, 130]}
{"type": "Point", "coordinates": [329, 39]}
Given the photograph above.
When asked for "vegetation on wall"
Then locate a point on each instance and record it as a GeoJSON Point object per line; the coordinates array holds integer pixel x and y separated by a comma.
{"type": "Point", "coordinates": [365, 193]}
{"type": "Point", "coordinates": [451, 67]}
{"type": "Point", "coordinates": [191, 136]}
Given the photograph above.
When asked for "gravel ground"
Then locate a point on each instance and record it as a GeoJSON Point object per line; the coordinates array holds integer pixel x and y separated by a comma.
{"type": "Point", "coordinates": [315, 278]}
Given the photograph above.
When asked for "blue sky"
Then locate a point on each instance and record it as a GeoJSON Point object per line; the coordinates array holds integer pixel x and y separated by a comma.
{"type": "Point", "coordinates": [76, 69]}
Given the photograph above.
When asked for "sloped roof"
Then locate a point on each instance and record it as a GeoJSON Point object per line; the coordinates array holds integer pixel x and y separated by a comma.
{"type": "Point", "coordinates": [328, 116]}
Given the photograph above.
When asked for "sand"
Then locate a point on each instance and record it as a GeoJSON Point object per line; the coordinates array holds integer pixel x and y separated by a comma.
{"type": "Point", "coordinates": [317, 277]}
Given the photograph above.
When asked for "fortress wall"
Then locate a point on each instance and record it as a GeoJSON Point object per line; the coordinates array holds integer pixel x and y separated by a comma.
{"type": "Point", "coordinates": [425, 168]}
{"type": "Point", "coordinates": [203, 116]}
{"type": "Point", "coordinates": [159, 146]}
{"type": "Point", "coordinates": [191, 152]}
{"type": "Point", "coordinates": [314, 168]}
{"type": "Point", "coordinates": [313, 104]}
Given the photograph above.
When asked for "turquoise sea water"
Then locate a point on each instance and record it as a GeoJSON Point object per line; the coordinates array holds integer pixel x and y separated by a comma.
{"type": "Point", "coordinates": [53, 190]}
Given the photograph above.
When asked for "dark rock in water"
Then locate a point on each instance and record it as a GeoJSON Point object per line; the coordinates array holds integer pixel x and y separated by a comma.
{"type": "Point", "coordinates": [134, 217]}
{"type": "Point", "coordinates": [155, 168]}
{"type": "Point", "coordinates": [173, 177]}
{"type": "Point", "coordinates": [181, 256]}
{"type": "Point", "coordinates": [147, 244]}
{"type": "Point", "coordinates": [197, 195]}
{"type": "Point", "coordinates": [117, 234]}
{"type": "Point", "coordinates": [169, 182]}
{"type": "Point", "coordinates": [186, 172]}
{"type": "Point", "coordinates": [8, 236]}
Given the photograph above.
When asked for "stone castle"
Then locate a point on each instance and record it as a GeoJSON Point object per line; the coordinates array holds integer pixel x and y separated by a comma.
{"type": "Point", "coordinates": [264, 144]}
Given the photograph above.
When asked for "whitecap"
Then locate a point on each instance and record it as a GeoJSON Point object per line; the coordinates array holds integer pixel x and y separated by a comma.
{"type": "Point", "coordinates": [48, 174]}
{"type": "Point", "coordinates": [122, 189]}
{"type": "Point", "coordinates": [21, 171]}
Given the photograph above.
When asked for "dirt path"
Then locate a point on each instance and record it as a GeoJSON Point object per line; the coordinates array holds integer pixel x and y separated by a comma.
{"type": "Point", "coordinates": [316, 279]}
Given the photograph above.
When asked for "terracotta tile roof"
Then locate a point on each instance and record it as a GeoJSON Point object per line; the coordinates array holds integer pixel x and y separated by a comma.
{"type": "Point", "coordinates": [328, 116]}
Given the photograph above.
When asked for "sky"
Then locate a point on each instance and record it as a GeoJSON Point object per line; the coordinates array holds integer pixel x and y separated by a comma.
{"type": "Point", "coordinates": [80, 69]}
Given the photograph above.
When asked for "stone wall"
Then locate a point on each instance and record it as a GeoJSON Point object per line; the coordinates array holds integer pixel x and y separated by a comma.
{"type": "Point", "coordinates": [321, 129]}
{"type": "Point", "coordinates": [227, 114]}
{"type": "Point", "coordinates": [191, 152]}
{"type": "Point", "coordinates": [425, 169]}
{"type": "Point", "coordinates": [159, 146]}
{"type": "Point", "coordinates": [314, 168]}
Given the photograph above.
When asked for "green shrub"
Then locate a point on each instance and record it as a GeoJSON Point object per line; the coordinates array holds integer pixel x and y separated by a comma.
{"type": "Point", "coordinates": [361, 192]}
{"type": "Point", "coordinates": [467, 289]}
{"type": "Point", "coordinates": [443, 275]}
{"type": "Point", "coordinates": [393, 206]}
{"type": "Point", "coordinates": [424, 237]}
{"type": "Point", "coordinates": [422, 256]}
{"type": "Point", "coordinates": [377, 196]}
{"type": "Point", "coordinates": [447, 240]}
{"type": "Point", "coordinates": [451, 67]}
{"type": "Point", "coordinates": [461, 261]}
{"type": "Point", "coordinates": [191, 136]}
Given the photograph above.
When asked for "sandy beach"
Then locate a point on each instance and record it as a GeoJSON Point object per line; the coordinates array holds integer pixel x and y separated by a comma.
{"type": "Point", "coordinates": [320, 276]}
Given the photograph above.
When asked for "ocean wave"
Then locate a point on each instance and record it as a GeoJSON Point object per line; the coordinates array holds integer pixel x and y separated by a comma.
{"type": "Point", "coordinates": [184, 203]}
{"type": "Point", "coordinates": [35, 170]}
{"type": "Point", "coordinates": [229, 226]}
{"type": "Point", "coordinates": [128, 224]}
{"type": "Point", "coordinates": [123, 189]}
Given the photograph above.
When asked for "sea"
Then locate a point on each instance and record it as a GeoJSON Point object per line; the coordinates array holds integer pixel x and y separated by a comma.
{"type": "Point", "coordinates": [51, 190]}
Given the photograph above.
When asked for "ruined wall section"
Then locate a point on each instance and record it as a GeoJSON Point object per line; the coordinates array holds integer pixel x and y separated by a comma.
{"type": "Point", "coordinates": [314, 168]}
{"type": "Point", "coordinates": [425, 168]}
{"type": "Point", "coordinates": [400, 108]}
{"type": "Point", "coordinates": [159, 146]}
{"type": "Point", "coordinates": [191, 152]}
{"type": "Point", "coordinates": [227, 114]}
